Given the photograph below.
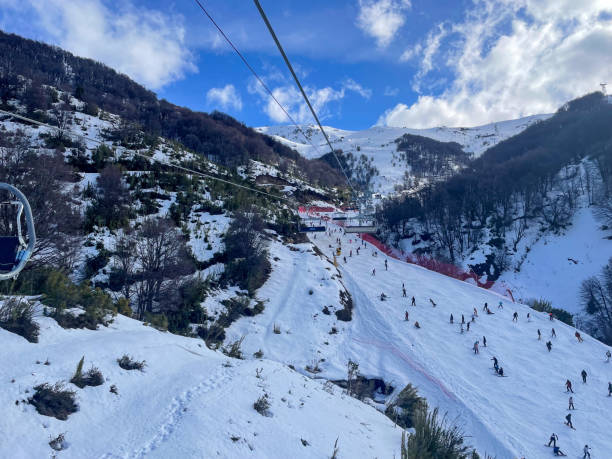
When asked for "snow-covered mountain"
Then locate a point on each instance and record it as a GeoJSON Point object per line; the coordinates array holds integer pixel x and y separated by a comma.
{"type": "Point", "coordinates": [378, 142]}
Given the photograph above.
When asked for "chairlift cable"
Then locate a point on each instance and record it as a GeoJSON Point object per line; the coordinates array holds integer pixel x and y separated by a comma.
{"type": "Point", "coordinates": [299, 85]}
{"type": "Point", "coordinates": [259, 79]}
{"type": "Point", "coordinates": [176, 166]}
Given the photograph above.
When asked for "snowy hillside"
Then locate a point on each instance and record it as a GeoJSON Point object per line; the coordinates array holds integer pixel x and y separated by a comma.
{"type": "Point", "coordinates": [188, 402]}
{"type": "Point", "coordinates": [556, 264]}
{"type": "Point", "coordinates": [378, 142]}
{"type": "Point", "coordinates": [505, 417]}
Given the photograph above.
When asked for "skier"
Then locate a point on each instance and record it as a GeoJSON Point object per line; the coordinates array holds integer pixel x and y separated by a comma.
{"type": "Point", "coordinates": [489, 311]}
{"type": "Point", "coordinates": [500, 305]}
{"type": "Point", "coordinates": [484, 341]}
{"type": "Point", "coordinates": [608, 355]}
{"type": "Point", "coordinates": [383, 297]}
{"type": "Point", "coordinates": [528, 317]}
{"type": "Point", "coordinates": [578, 337]}
{"type": "Point", "coordinates": [406, 316]}
{"type": "Point", "coordinates": [568, 386]}
{"type": "Point", "coordinates": [473, 318]}
{"type": "Point", "coordinates": [583, 373]}
{"type": "Point", "coordinates": [432, 302]}
{"type": "Point", "coordinates": [344, 258]}
{"type": "Point", "coordinates": [476, 347]}
{"type": "Point", "coordinates": [539, 335]}
{"type": "Point", "coordinates": [586, 452]}
{"type": "Point", "coordinates": [416, 325]}
{"type": "Point", "coordinates": [404, 291]}
{"type": "Point", "coordinates": [350, 253]}
{"type": "Point", "coordinates": [558, 452]}
{"type": "Point", "coordinates": [451, 319]}
{"type": "Point", "coordinates": [373, 271]}
{"type": "Point", "coordinates": [550, 316]}
{"type": "Point", "coordinates": [553, 440]}
{"type": "Point", "coordinates": [385, 265]}
{"type": "Point", "coordinates": [501, 371]}
{"type": "Point", "coordinates": [549, 345]}
{"type": "Point", "coordinates": [553, 334]}
{"type": "Point", "coordinates": [571, 403]}
{"type": "Point", "coordinates": [462, 319]}
{"type": "Point", "coordinates": [568, 420]}
{"type": "Point", "coordinates": [609, 389]}
{"type": "Point", "coordinates": [515, 317]}
{"type": "Point", "coordinates": [485, 307]}
{"type": "Point", "coordinates": [413, 302]}
{"type": "Point", "coordinates": [468, 326]}
{"type": "Point", "coordinates": [475, 312]}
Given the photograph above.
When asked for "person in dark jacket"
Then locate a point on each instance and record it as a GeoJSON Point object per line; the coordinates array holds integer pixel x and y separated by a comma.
{"type": "Point", "coordinates": [568, 420]}
{"type": "Point", "coordinates": [549, 345]}
{"type": "Point", "coordinates": [553, 439]}
{"type": "Point", "coordinates": [568, 386]}
{"type": "Point", "coordinates": [583, 373]}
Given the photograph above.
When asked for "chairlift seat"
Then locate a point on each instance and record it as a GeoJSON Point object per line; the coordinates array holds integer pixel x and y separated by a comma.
{"type": "Point", "coordinates": [8, 252]}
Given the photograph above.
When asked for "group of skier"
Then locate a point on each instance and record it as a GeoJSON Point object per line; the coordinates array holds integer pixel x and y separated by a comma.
{"type": "Point", "coordinates": [497, 368]}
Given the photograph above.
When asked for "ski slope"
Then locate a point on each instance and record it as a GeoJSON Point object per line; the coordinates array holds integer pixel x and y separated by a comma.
{"type": "Point", "coordinates": [506, 417]}
{"type": "Point", "coordinates": [189, 402]}
{"type": "Point", "coordinates": [378, 142]}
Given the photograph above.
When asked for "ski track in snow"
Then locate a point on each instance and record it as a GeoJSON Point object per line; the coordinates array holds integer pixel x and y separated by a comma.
{"type": "Point", "coordinates": [176, 411]}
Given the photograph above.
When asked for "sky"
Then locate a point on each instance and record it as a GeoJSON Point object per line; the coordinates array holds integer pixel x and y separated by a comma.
{"type": "Point", "coordinates": [406, 63]}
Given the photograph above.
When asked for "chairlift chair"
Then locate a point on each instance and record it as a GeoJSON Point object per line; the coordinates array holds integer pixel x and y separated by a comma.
{"type": "Point", "coordinates": [310, 225]}
{"type": "Point", "coordinates": [14, 251]}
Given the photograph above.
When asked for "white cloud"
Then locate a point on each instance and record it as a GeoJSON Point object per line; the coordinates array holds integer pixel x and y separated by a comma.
{"type": "Point", "coordinates": [391, 92]}
{"type": "Point", "coordinates": [142, 43]}
{"type": "Point", "coordinates": [508, 59]}
{"type": "Point", "coordinates": [352, 85]}
{"type": "Point", "coordinates": [381, 19]}
{"type": "Point", "coordinates": [226, 97]}
{"type": "Point", "coordinates": [291, 99]}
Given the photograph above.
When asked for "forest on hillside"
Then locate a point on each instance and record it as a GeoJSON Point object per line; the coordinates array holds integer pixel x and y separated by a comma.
{"type": "Point", "coordinates": [28, 69]}
{"type": "Point", "coordinates": [533, 175]}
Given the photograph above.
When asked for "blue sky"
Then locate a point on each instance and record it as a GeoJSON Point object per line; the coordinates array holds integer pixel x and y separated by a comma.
{"type": "Point", "coordinates": [413, 63]}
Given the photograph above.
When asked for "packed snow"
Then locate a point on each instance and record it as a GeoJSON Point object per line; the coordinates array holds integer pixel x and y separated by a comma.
{"type": "Point", "coordinates": [506, 417]}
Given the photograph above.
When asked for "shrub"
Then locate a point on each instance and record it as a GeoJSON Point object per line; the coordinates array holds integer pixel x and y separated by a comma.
{"type": "Point", "coordinates": [54, 401]}
{"type": "Point", "coordinates": [127, 363]}
{"type": "Point", "coordinates": [345, 314]}
{"type": "Point", "coordinates": [58, 443]}
{"type": "Point", "coordinates": [16, 317]}
{"type": "Point", "coordinates": [234, 349]}
{"type": "Point", "coordinates": [123, 307]}
{"type": "Point", "coordinates": [406, 404]}
{"type": "Point", "coordinates": [215, 334]}
{"type": "Point", "coordinates": [157, 321]}
{"type": "Point", "coordinates": [61, 293]}
{"type": "Point", "coordinates": [262, 405]}
{"type": "Point", "coordinates": [434, 437]}
{"type": "Point", "coordinates": [546, 306]}
{"type": "Point", "coordinates": [92, 377]}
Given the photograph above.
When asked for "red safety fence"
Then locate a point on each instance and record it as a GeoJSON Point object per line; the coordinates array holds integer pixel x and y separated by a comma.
{"type": "Point", "coordinates": [313, 209]}
{"type": "Point", "coordinates": [434, 265]}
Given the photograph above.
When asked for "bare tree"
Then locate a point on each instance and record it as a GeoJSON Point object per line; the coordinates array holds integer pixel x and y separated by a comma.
{"type": "Point", "coordinates": [160, 258]}
{"type": "Point", "coordinates": [596, 295]}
